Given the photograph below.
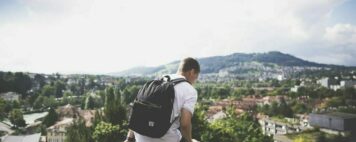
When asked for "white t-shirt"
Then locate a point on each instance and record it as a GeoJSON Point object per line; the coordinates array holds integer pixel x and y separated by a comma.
{"type": "Point", "coordinates": [185, 97]}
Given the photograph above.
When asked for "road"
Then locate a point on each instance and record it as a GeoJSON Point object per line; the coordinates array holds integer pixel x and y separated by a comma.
{"type": "Point", "coordinates": [281, 138]}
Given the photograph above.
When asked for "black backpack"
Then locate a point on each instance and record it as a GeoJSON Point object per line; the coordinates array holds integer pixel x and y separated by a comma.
{"type": "Point", "coordinates": [153, 106]}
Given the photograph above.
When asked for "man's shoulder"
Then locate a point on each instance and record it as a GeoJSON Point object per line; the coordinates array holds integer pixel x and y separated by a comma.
{"type": "Point", "coordinates": [183, 86]}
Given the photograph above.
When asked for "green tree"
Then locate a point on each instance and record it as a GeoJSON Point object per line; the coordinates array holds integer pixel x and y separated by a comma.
{"type": "Point", "coordinates": [233, 129]}
{"type": "Point", "coordinates": [38, 102]}
{"type": "Point", "coordinates": [78, 132]}
{"type": "Point", "coordinates": [115, 112]}
{"type": "Point", "coordinates": [284, 109]}
{"type": "Point", "coordinates": [16, 118]}
{"type": "Point", "coordinates": [106, 132]}
{"type": "Point", "coordinates": [200, 125]}
{"type": "Point", "coordinates": [59, 87]}
{"type": "Point", "coordinates": [40, 80]}
{"type": "Point", "coordinates": [89, 103]}
{"type": "Point", "coordinates": [51, 118]}
{"type": "Point", "coordinates": [48, 90]}
{"type": "Point", "coordinates": [22, 83]}
{"type": "Point", "coordinates": [2, 109]}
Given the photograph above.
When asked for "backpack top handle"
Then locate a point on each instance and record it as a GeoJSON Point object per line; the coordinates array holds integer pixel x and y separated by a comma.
{"type": "Point", "coordinates": [167, 77]}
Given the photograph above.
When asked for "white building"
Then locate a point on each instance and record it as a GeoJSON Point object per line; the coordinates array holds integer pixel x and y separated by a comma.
{"type": "Point", "coordinates": [347, 83]}
{"type": "Point", "coordinates": [10, 96]}
{"type": "Point", "coordinates": [295, 88]}
{"type": "Point", "coordinates": [218, 115]}
{"type": "Point", "coordinates": [324, 82]}
{"type": "Point", "coordinates": [57, 132]}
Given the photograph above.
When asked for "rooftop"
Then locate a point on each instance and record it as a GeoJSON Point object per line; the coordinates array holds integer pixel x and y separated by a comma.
{"type": "Point", "coordinates": [339, 115]}
{"type": "Point", "coordinates": [24, 138]}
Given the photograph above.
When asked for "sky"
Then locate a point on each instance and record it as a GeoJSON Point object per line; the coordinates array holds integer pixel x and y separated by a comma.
{"type": "Point", "coordinates": [104, 36]}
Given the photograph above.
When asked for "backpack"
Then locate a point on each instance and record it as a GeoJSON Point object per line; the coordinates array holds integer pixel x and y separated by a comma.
{"type": "Point", "coordinates": [153, 106]}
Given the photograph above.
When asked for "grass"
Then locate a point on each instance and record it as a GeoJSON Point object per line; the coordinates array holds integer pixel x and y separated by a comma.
{"type": "Point", "coordinates": [311, 136]}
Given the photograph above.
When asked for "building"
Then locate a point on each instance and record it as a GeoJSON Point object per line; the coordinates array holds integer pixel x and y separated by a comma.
{"type": "Point", "coordinates": [334, 123]}
{"type": "Point", "coordinates": [57, 132]}
{"type": "Point", "coordinates": [272, 127]}
{"type": "Point", "coordinates": [325, 82]}
{"type": "Point", "coordinates": [10, 96]}
{"type": "Point", "coordinates": [295, 88]}
{"type": "Point", "coordinates": [348, 83]}
{"type": "Point", "coordinates": [24, 138]}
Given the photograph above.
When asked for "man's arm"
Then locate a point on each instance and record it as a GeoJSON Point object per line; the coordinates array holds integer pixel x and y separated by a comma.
{"type": "Point", "coordinates": [186, 124]}
{"type": "Point", "coordinates": [130, 136]}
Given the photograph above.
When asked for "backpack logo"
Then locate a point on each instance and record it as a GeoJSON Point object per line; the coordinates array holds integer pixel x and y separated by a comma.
{"type": "Point", "coordinates": [151, 123]}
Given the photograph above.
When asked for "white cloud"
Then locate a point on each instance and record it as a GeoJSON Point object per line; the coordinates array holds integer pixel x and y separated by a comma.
{"type": "Point", "coordinates": [109, 35]}
{"type": "Point", "coordinates": [341, 35]}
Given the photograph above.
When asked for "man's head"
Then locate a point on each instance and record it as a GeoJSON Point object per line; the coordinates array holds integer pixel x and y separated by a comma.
{"type": "Point", "coordinates": [190, 69]}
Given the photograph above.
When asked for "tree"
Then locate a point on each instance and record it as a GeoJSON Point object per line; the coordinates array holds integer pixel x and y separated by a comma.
{"type": "Point", "coordinates": [22, 83]}
{"type": "Point", "coordinates": [16, 118]}
{"type": "Point", "coordinates": [51, 118]}
{"type": "Point", "coordinates": [59, 86]}
{"type": "Point", "coordinates": [40, 80]}
{"type": "Point", "coordinates": [200, 125]}
{"type": "Point", "coordinates": [67, 98]}
{"type": "Point", "coordinates": [78, 132]}
{"type": "Point", "coordinates": [38, 102]}
{"type": "Point", "coordinates": [115, 112]}
{"type": "Point", "coordinates": [284, 109]}
{"type": "Point", "coordinates": [2, 109]}
{"type": "Point", "coordinates": [106, 132]}
{"type": "Point", "coordinates": [89, 103]}
{"type": "Point", "coordinates": [321, 137]}
{"type": "Point", "coordinates": [233, 129]}
{"type": "Point", "coordinates": [48, 90]}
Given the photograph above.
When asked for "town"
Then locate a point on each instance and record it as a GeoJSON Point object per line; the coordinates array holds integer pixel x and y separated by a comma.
{"type": "Point", "coordinates": [71, 108]}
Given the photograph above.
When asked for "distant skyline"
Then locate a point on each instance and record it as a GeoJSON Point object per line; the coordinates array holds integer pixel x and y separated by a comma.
{"type": "Point", "coordinates": [103, 36]}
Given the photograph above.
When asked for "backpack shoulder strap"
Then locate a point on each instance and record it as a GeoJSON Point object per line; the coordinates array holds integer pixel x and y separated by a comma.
{"type": "Point", "coordinates": [179, 80]}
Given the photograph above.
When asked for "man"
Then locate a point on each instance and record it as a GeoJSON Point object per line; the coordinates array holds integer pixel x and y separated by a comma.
{"type": "Point", "coordinates": [183, 107]}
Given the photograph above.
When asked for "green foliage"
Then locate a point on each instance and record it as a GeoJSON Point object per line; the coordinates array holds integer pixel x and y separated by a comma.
{"type": "Point", "coordinates": [115, 111]}
{"type": "Point", "coordinates": [2, 109]}
{"type": "Point", "coordinates": [129, 93]}
{"type": "Point", "coordinates": [89, 103]}
{"type": "Point", "coordinates": [48, 91]}
{"type": "Point", "coordinates": [200, 125]}
{"type": "Point", "coordinates": [51, 118]}
{"type": "Point", "coordinates": [15, 82]}
{"type": "Point", "coordinates": [78, 132]}
{"type": "Point", "coordinates": [300, 108]}
{"type": "Point", "coordinates": [106, 132]}
{"type": "Point", "coordinates": [16, 118]}
{"type": "Point", "coordinates": [59, 86]}
{"type": "Point", "coordinates": [232, 129]}
{"type": "Point", "coordinates": [277, 109]}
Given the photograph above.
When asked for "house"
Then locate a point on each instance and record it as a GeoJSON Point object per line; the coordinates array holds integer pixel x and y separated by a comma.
{"type": "Point", "coordinates": [273, 127]}
{"type": "Point", "coordinates": [10, 96]}
{"type": "Point", "coordinates": [24, 138]}
{"type": "Point", "coordinates": [216, 116]}
{"type": "Point", "coordinates": [334, 123]}
{"type": "Point", "coordinates": [325, 82]}
{"type": "Point", "coordinates": [295, 88]}
{"type": "Point", "coordinates": [69, 111]}
{"type": "Point", "coordinates": [348, 83]}
{"type": "Point", "coordinates": [57, 132]}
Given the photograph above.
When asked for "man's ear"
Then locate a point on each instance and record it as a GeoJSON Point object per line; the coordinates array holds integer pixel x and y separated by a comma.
{"type": "Point", "coordinates": [192, 72]}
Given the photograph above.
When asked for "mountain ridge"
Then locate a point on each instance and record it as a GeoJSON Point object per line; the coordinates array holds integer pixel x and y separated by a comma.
{"type": "Point", "coordinates": [216, 64]}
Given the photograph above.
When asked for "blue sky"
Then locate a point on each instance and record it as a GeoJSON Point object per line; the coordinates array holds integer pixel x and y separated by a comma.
{"type": "Point", "coordinates": [101, 36]}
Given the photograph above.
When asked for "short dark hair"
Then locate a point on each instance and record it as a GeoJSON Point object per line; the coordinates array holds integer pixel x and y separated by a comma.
{"type": "Point", "coordinates": [188, 64]}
